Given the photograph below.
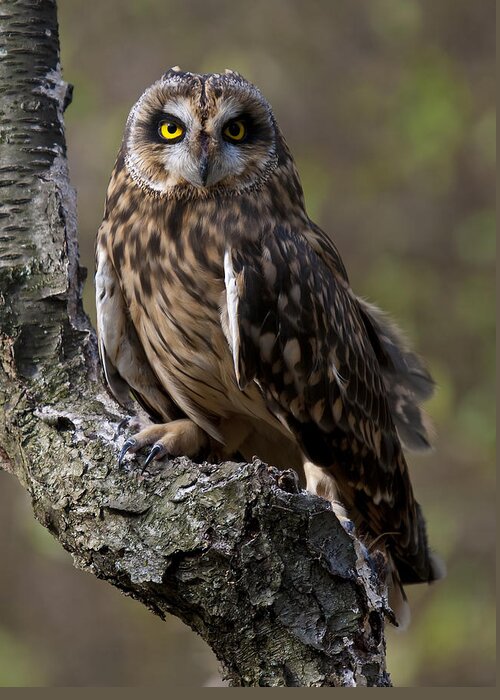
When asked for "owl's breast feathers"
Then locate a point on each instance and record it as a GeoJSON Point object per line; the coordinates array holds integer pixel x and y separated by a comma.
{"type": "Point", "coordinates": [167, 255]}
{"type": "Point", "coordinates": [223, 295]}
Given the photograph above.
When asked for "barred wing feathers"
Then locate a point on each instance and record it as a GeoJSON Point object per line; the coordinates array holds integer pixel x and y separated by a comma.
{"type": "Point", "coordinates": [297, 330]}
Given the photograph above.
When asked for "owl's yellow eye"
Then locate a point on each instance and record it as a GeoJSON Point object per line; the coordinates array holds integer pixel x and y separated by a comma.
{"type": "Point", "coordinates": [235, 130]}
{"type": "Point", "coordinates": [171, 131]}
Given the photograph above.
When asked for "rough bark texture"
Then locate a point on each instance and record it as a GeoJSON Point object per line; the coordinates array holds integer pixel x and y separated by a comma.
{"type": "Point", "coordinates": [262, 571]}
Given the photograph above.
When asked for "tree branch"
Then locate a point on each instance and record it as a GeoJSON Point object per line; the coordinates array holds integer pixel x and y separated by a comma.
{"type": "Point", "coordinates": [264, 572]}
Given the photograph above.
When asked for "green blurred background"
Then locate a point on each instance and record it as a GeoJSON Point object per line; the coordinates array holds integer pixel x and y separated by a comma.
{"type": "Point", "coordinates": [388, 106]}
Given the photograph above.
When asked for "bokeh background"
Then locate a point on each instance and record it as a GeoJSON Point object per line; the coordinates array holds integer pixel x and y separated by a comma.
{"type": "Point", "coordinates": [388, 108]}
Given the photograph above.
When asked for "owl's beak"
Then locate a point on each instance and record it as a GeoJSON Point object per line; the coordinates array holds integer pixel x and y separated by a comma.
{"type": "Point", "coordinates": [204, 159]}
{"type": "Point", "coordinates": [204, 167]}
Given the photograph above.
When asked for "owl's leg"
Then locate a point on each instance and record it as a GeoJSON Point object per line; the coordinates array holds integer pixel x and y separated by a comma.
{"type": "Point", "coordinates": [179, 437]}
{"type": "Point", "coordinates": [321, 483]}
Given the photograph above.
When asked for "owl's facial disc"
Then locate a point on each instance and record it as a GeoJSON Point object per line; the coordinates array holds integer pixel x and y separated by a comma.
{"type": "Point", "coordinates": [205, 132]}
{"type": "Point", "coordinates": [206, 148]}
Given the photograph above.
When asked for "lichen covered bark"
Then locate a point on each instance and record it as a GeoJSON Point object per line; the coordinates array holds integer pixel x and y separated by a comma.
{"type": "Point", "coordinates": [262, 571]}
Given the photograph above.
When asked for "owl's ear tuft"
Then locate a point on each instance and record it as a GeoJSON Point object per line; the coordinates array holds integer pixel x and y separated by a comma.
{"type": "Point", "coordinates": [229, 71]}
{"type": "Point", "coordinates": [175, 70]}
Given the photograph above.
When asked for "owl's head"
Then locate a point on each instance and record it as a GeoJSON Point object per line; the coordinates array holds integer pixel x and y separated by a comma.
{"type": "Point", "coordinates": [199, 133]}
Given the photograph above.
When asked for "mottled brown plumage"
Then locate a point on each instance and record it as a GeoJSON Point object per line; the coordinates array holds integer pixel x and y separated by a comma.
{"type": "Point", "coordinates": [228, 315]}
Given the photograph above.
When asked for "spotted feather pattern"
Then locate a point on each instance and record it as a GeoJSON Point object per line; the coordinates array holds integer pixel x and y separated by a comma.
{"type": "Point", "coordinates": [302, 338]}
{"type": "Point", "coordinates": [220, 301]}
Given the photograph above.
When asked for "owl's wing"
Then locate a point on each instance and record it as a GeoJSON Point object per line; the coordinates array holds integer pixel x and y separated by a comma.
{"type": "Point", "coordinates": [406, 379]}
{"type": "Point", "coordinates": [126, 368]}
{"type": "Point", "coordinates": [296, 329]}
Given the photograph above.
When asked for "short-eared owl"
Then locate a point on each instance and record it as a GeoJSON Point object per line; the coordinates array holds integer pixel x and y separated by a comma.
{"type": "Point", "coordinates": [228, 315]}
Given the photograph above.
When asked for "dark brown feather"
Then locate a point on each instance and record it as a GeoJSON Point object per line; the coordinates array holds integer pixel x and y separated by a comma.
{"type": "Point", "coordinates": [304, 339]}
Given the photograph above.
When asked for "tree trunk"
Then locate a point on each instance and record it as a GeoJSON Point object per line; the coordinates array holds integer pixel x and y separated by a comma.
{"type": "Point", "coordinates": [263, 571]}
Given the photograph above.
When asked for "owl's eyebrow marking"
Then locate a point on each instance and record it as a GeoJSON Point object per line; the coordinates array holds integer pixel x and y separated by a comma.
{"type": "Point", "coordinates": [241, 116]}
{"type": "Point", "coordinates": [167, 116]}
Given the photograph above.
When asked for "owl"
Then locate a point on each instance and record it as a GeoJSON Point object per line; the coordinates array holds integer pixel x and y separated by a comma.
{"type": "Point", "coordinates": [227, 315]}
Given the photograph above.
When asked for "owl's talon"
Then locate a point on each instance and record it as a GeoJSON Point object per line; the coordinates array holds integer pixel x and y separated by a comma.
{"type": "Point", "coordinates": [120, 427]}
{"type": "Point", "coordinates": [156, 451]}
{"type": "Point", "coordinates": [343, 518]}
{"type": "Point", "coordinates": [348, 526]}
{"type": "Point", "coordinates": [127, 445]}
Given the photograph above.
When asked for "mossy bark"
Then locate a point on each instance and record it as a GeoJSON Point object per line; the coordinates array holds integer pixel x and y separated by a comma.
{"type": "Point", "coordinates": [262, 571]}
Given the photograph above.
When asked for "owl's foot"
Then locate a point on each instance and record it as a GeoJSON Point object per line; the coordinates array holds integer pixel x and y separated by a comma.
{"type": "Point", "coordinates": [321, 482]}
{"type": "Point", "coordinates": [179, 437]}
{"type": "Point", "coordinates": [133, 423]}
{"type": "Point", "coordinates": [343, 518]}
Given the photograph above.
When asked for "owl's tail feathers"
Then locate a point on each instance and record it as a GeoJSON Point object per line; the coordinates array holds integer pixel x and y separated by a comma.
{"type": "Point", "coordinates": [398, 602]}
{"type": "Point", "coordinates": [415, 562]}
{"type": "Point", "coordinates": [406, 379]}
{"type": "Point", "coordinates": [412, 563]}
{"type": "Point", "coordinates": [414, 427]}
